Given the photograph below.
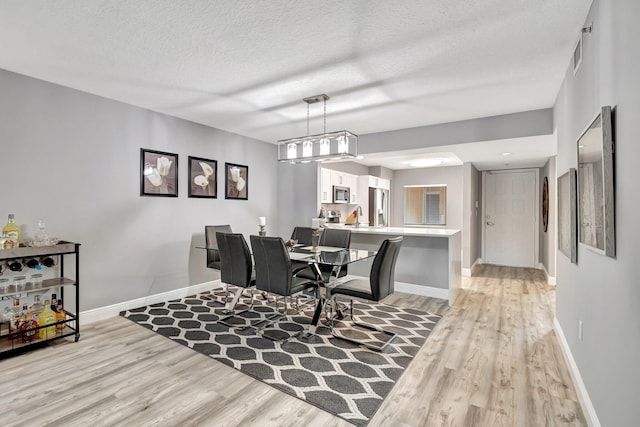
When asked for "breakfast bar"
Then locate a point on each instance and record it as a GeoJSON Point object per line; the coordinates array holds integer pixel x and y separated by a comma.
{"type": "Point", "coordinates": [430, 260]}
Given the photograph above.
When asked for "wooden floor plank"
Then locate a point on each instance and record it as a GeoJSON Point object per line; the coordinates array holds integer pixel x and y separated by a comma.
{"type": "Point", "coordinates": [492, 360]}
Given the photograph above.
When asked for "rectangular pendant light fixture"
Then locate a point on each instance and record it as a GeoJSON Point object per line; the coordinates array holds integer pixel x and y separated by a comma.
{"type": "Point", "coordinates": [326, 146]}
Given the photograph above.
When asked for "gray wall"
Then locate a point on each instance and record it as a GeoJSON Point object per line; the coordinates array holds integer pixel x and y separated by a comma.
{"type": "Point", "coordinates": [73, 159]}
{"type": "Point", "coordinates": [381, 172]}
{"type": "Point", "coordinates": [451, 176]}
{"type": "Point", "coordinates": [548, 239]}
{"type": "Point", "coordinates": [346, 167]}
{"type": "Point", "coordinates": [529, 123]}
{"type": "Point", "coordinates": [604, 292]}
{"type": "Point", "coordinates": [471, 231]}
{"type": "Point", "coordinates": [297, 195]}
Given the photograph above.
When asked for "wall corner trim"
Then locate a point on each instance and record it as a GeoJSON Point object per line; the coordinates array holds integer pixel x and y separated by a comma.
{"type": "Point", "coordinates": [550, 279]}
{"type": "Point", "coordinates": [467, 272]}
{"type": "Point", "coordinates": [102, 313]}
{"type": "Point", "coordinates": [583, 396]}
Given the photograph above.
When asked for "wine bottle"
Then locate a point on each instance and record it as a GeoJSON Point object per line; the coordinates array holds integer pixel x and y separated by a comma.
{"type": "Point", "coordinates": [33, 263]}
{"type": "Point", "coordinates": [14, 265]}
{"type": "Point", "coordinates": [48, 262]}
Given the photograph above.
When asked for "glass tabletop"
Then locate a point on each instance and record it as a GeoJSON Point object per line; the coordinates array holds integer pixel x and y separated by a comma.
{"type": "Point", "coordinates": [333, 256]}
{"type": "Point", "coordinates": [336, 257]}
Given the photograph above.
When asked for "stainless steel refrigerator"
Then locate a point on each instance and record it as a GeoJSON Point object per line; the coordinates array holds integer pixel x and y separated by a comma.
{"type": "Point", "coordinates": [378, 207]}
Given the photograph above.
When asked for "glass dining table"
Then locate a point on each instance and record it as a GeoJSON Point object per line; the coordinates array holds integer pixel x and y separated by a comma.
{"type": "Point", "coordinates": [336, 258]}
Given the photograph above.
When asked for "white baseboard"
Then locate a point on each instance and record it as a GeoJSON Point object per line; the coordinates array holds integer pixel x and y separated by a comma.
{"type": "Point", "coordinates": [467, 272]}
{"type": "Point", "coordinates": [428, 291]}
{"type": "Point", "coordinates": [101, 313]}
{"type": "Point", "coordinates": [550, 279]}
{"type": "Point", "coordinates": [583, 396]}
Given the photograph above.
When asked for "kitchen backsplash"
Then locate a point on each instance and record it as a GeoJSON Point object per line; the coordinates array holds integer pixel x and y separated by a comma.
{"type": "Point", "coordinates": [344, 209]}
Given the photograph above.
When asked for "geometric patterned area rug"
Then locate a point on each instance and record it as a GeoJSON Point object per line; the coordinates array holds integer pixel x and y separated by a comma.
{"type": "Point", "coordinates": [345, 379]}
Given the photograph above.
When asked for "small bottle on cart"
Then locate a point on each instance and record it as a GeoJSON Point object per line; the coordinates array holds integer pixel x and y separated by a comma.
{"type": "Point", "coordinates": [47, 318]}
{"type": "Point", "coordinates": [61, 316]}
{"type": "Point", "coordinates": [37, 306]}
{"type": "Point", "coordinates": [11, 233]}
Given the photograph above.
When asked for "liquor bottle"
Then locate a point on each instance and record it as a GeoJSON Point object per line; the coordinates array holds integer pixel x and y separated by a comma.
{"type": "Point", "coordinates": [54, 302]}
{"type": "Point", "coordinates": [37, 306]}
{"type": "Point", "coordinates": [32, 263]}
{"type": "Point", "coordinates": [48, 262]}
{"type": "Point", "coordinates": [61, 316]}
{"type": "Point", "coordinates": [41, 238]}
{"type": "Point", "coordinates": [15, 315]}
{"type": "Point", "coordinates": [11, 231]}
{"type": "Point", "coordinates": [47, 318]}
{"type": "Point", "coordinates": [28, 327]}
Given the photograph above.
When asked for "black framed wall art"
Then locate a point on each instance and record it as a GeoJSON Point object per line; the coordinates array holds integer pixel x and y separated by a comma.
{"type": "Point", "coordinates": [203, 178]}
{"type": "Point", "coordinates": [236, 181]}
{"type": "Point", "coordinates": [158, 173]}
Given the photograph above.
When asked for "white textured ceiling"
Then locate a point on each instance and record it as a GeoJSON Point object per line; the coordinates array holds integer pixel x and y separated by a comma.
{"type": "Point", "coordinates": [244, 66]}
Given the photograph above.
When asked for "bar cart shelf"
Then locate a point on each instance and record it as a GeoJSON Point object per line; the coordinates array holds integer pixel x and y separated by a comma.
{"type": "Point", "coordinates": [14, 341]}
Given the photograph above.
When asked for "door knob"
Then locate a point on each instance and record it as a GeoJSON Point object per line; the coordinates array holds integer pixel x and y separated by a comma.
{"type": "Point", "coordinates": [489, 223]}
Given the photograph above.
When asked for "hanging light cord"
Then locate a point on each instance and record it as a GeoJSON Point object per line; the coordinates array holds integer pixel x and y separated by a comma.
{"type": "Point", "coordinates": [325, 116]}
{"type": "Point", "coordinates": [307, 119]}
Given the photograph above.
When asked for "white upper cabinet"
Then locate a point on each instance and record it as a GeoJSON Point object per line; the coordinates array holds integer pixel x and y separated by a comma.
{"type": "Point", "coordinates": [352, 183]}
{"type": "Point", "coordinates": [329, 178]}
{"type": "Point", "coordinates": [376, 182]}
{"type": "Point", "coordinates": [338, 178]}
{"type": "Point", "coordinates": [326, 193]}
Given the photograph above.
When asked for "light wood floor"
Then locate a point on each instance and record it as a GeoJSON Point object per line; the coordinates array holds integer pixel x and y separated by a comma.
{"type": "Point", "coordinates": [493, 360]}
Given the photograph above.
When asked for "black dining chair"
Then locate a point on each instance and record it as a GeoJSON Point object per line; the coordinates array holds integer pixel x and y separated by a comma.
{"type": "Point", "coordinates": [213, 254]}
{"type": "Point", "coordinates": [236, 268]}
{"type": "Point", "coordinates": [274, 273]}
{"type": "Point", "coordinates": [330, 237]}
{"type": "Point", "coordinates": [379, 285]}
{"type": "Point", "coordinates": [303, 235]}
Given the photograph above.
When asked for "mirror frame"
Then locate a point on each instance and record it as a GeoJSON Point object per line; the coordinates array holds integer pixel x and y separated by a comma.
{"type": "Point", "coordinates": [404, 207]}
{"type": "Point", "coordinates": [608, 199]}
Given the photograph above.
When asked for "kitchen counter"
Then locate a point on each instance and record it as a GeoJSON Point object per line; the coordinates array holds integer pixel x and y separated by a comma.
{"type": "Point", "coordinates": [398, 231]}
{"type": "Point", "coordinates": [429, 263]}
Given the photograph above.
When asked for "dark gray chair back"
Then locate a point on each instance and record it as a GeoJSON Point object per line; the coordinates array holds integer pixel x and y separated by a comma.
{"type": "Point", "coordinates": [383, 268]}
{"type": "Point", "coordinates": [302, 235]}
{"type": "Point", "coordinates": [336, 238]}
{"type": "Point", "coordinates": [273, 266]}
{"type": "Point", "coordinates": [213, 255]}
{"type": "Point", "coordinates": [235, 259]}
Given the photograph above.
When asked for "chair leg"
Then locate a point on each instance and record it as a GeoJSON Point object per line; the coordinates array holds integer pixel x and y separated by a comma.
{"type": "Point", "coordinates": [355, 323]}
{"type": "Point", "coordinates": [230, 307]}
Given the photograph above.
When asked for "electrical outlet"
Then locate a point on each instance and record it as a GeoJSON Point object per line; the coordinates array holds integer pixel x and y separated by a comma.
{"type": "Point", "coordinates": [580, 330]}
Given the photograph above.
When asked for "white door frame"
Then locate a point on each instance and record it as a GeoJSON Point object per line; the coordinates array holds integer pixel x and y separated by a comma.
{"type": "Point", "coordinates": [537, 263]}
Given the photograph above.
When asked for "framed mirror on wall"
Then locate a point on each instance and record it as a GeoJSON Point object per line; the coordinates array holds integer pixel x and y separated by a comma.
{"type": "Point", "coordinates": [567, 215]}
{"type": "Point", "coordinates": [596, 213]}
{"type": "Point", "coordinates": [425, 204]}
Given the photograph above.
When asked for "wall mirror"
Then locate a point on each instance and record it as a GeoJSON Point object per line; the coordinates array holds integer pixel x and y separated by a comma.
{"type": "Point", "coordinates": [595, 185]}
{"type": "Point", "coordinates": [425, 204]}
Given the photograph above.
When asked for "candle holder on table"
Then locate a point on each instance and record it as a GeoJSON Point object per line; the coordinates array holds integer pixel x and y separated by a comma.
{"type": "Point", "coordinates": [315, 237]}
{"type": "Point", "coordinates": [262, 230]}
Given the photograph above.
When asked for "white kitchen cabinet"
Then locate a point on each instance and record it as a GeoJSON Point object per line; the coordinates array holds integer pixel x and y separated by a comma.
{"type": "Point", "coordinates": [352, 183]}
{"type": "Point", "coordinates": [326, 194]}
{"type": "Point", "coordinates": [376, 182]}
{"type": "Point", "coordinates": [338, 178]}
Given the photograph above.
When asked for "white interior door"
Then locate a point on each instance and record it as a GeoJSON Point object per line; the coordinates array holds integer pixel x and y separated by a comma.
{"type": "Point", "coordinates": [510, 218]}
